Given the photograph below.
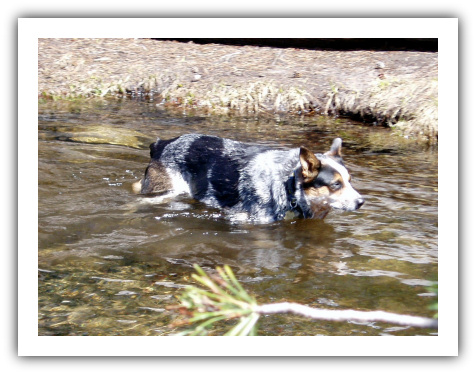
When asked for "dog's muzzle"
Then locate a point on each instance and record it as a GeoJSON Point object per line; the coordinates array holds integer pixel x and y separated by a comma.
{"type": "Point", "coordinates": [359, 202]}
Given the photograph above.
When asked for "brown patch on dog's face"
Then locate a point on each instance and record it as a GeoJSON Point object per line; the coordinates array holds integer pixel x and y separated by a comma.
{"type": "Point", "coordinates": [313, 192]}
{"type": "Point", "coordinates": [337, 185]}
{"type": "Point", "coordinates": [334, 187]}
{"type": "Point", "coordinates": [318, 201]}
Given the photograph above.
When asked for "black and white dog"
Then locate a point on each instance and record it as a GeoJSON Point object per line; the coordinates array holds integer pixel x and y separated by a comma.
{"type": "Point", "coordinates": [265, 183]}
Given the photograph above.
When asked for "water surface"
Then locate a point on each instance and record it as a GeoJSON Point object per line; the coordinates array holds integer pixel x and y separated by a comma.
{"type": "Point", "coordinates": [111, 261]}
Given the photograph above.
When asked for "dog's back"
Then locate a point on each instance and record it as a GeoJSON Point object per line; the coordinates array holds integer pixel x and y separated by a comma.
{"type": "Point", "coordinates": [224, 173]}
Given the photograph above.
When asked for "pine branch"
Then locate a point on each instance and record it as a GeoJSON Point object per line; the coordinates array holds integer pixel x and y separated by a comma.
{"type": "Point", "coordinates": [226, 299]}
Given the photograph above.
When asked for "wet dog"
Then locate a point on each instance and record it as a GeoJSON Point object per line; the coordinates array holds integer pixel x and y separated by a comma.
{"type": "Point", "coordinates": [265, 183]}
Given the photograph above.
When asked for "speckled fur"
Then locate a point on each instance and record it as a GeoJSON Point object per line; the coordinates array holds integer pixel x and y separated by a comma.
{"type": "Point", "coordinates": [263, 182]}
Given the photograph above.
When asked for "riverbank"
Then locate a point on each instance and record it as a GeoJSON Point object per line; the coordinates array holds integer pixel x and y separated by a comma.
{"type": "Point", "coordinates": [390, 88]}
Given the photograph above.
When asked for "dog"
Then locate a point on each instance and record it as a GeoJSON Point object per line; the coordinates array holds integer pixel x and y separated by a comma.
{"type": "Point", "coordinates": [267, 184]}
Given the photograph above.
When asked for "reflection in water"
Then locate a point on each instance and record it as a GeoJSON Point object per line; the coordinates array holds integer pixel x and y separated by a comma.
{"type": "Point", "coordinates": [111, 261]}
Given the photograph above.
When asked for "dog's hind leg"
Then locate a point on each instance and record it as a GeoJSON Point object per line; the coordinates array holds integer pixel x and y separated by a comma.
{"type": "Point", "coordinates": [156, 180]}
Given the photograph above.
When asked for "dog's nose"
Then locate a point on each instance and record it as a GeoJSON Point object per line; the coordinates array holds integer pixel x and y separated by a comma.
{"type": "Point", "coordinates": [359, 203]}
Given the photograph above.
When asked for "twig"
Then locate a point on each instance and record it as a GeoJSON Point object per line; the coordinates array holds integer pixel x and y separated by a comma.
{"type": "Point", "coordinates": [229, 55]}
{"type": "Point", "coordinates": [346, 315]}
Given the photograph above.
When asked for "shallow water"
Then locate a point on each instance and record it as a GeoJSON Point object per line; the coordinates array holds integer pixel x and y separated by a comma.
{"type": "Point", "coordinates": [111, 261]}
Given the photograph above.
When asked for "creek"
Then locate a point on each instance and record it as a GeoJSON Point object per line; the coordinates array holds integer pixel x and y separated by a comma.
{"type": "Point", "coordinates": [111, 261]}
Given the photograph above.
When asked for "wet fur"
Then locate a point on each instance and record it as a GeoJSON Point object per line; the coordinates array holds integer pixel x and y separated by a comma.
{"type": "Point", "coordinates": [263, 182]}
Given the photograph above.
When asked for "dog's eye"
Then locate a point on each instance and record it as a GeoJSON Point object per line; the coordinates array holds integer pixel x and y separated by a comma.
{"type": "Point", "coordinates": [335, 186]}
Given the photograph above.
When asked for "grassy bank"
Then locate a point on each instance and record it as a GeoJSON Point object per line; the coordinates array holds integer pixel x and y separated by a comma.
{"type": "Point", "coordinates": [396, 89]}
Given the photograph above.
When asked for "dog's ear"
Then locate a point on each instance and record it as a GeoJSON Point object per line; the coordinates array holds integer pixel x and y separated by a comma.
{"type": "Point", "coordinates": [336, 148]}
{"type": "Point", "coordinates": [309, 163]}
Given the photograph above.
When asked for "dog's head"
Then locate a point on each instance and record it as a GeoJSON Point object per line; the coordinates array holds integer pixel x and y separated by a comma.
{"type": "Point", "coordinates": [325, 182]}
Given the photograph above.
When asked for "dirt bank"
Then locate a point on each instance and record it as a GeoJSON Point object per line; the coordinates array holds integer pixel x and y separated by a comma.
{"type": "Point", "coordinates": [391, 88]}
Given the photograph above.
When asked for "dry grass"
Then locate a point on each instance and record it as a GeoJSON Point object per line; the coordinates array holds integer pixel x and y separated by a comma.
{"type": "Point", "coordinates": [219, 78]}
{"type": "Point", "coordinates": [408, 106]}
